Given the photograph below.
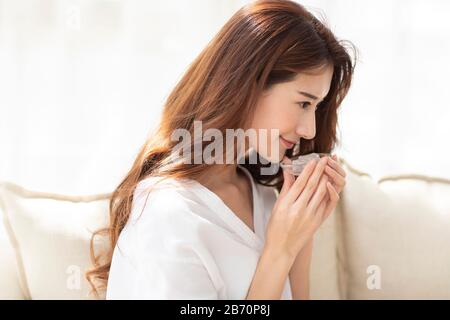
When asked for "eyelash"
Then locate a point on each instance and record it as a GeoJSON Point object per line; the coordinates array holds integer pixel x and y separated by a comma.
{"type": "Point", "coordinates": [302, 105]}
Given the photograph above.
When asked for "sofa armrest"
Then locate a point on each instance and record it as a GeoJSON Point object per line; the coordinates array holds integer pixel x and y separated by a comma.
{"type": "Point", "coordinates": [9, 278]}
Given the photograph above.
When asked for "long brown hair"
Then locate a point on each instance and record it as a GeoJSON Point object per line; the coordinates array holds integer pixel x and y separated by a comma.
{"type": "Point", "coordinates": [264, 43]}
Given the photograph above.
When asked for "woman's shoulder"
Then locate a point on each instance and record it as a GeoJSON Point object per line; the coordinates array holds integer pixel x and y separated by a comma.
{"type": "Point", "coordinates": [174, 204]}
{"type": "Point", "coordinates": [164, 196]}
{"type": "Point", "coordinates": [165, 221]}
{"type": "Point", "coordinates": [156, 186]}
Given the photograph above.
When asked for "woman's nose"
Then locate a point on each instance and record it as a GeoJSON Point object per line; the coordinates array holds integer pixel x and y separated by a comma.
{"type": "Point", "coordinates": [307, 132]}
{"type": "Point", "coordinates": [307, 129]}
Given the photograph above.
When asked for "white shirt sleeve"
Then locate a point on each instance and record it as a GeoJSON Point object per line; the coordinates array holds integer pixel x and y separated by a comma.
{"type": "Point", "coordinates": [162, 254]}
{"type": "Point", "coordinates": [165, 278]}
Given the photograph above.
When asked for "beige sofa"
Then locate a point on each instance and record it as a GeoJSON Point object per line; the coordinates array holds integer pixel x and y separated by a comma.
{"type": "Point", "coordinates": [387, 239]}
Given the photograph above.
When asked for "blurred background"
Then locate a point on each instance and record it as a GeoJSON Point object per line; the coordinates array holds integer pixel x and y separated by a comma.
{"type": "Point", "coordinates": [83, 83]}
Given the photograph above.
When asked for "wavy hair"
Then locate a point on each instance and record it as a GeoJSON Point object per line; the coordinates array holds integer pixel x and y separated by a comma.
{"type": "Point", "coordinates": [264, 43]}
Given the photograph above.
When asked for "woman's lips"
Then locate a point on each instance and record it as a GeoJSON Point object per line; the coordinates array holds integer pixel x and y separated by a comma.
{"type": "Point", "coordinates": [287, 143]}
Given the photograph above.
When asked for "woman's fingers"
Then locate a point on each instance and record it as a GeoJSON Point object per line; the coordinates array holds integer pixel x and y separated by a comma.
{"type": "Point", "coordinates": [335, 165]}
{"type": "Point", "coordinates": [339, 180]}
{"type": "Point", "coordinates": [327, 205]}
{"type": "Point", "coordinates": [334, 198]}
{"type": "Point", "coordinates": [318, 196]}
{"type": "Point", "coordinates": [312, 182]}
{"type": "Point", "coordinates": [288, 182]}
{"type": "Point", "coordinates": [301, 181]}
{"type": "Point", "coordinates": [312, 189]}
{"type": "Point", "coordinates": [322, 208]}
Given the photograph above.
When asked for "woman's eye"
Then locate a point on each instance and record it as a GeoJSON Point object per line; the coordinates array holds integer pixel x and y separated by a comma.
{"type": "Point", "coordinates": [304, 105]}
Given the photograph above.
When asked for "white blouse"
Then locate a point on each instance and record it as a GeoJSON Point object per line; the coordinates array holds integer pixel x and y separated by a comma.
{"type": "Point", "coordinates": [186, 243]}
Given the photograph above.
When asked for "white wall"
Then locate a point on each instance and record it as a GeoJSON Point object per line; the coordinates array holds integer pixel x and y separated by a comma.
{"type": "Point", "coordinates": [396, 117]}
{"type": "Point", "coordinates": [83, 82]}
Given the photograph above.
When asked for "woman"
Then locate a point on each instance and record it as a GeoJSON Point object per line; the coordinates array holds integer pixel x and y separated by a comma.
{"type": "Point", "coordinates": [209, 230]}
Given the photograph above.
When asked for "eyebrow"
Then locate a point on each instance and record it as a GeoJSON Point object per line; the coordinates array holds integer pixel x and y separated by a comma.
{"type": "Point", "coordinates": [309, 95]}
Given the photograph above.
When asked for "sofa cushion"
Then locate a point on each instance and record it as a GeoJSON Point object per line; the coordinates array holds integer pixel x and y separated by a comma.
{"type": "Point", "coordinates": [51, 236]}
{"type": "Point", "coordinates": [396, 236]}
{"type": "Point", "coordinates": [325, 270]}
{"type": "Point", "coordinates": [9, 278]}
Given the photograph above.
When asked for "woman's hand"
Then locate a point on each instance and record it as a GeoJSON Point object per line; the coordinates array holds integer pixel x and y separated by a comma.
{"type": "Point", "coordinates": [302, 205]}
{"type": "Point", "coordinates": [336, 173]}
{"type": "Point", "coordinates": [337, 176]}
